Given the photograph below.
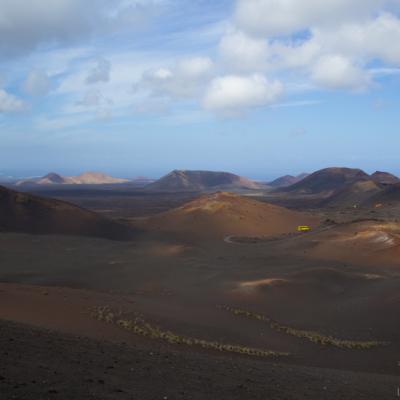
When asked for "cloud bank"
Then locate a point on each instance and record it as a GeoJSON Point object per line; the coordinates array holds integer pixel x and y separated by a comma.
{"type": "Point", "coordinates": [255, 58]}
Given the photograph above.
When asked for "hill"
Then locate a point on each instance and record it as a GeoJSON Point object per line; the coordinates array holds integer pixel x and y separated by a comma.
{"type": "Point", "coordinates": [95, 178]}
{"type": "Point", "coordinates": [364, 242]}
{"type": "Point", "coordinates": [287, 180]}
{"type": "Point", "coordinates": [388, 196]}
{"type": "Point", "coordinates": [201, 180]}
{"type": "Point", "coordinates": [87, 178]}
{"type": "Point", "coordinates": [328, 181]}
{"type": "Point", "coordinates": [384, 178]}
{"type": "Point", "coordinates": [221, 214]}
{"type": "Point", "coordinates": [50, 179]}
{"type": "Point", "coordinates": [25, 213]}
{"type": "Point", "coordinates": [355, 194]}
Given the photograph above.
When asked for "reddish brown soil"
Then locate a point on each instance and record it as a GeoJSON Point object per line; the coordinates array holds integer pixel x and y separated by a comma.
{"type": "Point", "coordinates": [339, 280]}
{"type": "Point", "coordinates": [39, 364]}
{"type": "Point", "coordinates": [23, 212]}
{"type": "Point", "coordinates": [222, 214]}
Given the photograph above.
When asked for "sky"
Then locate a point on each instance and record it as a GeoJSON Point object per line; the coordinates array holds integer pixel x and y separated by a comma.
{"type": "Point", "coordinates": [261, 88]}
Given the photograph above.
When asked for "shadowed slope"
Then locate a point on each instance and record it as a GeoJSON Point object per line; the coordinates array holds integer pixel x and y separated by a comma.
{"type": "Point", "coordinates": [287, 180]}
{"type": "Point", "coordinates": [353, 195]}
{"type": "Point", "coordinates": [328, 180]}
{"type": "Point", "coordinates": [22, 212]}
{"type": "Point", "coordinates": [388, 196]}
{"type": "Point", "coordinates": [385, 178]}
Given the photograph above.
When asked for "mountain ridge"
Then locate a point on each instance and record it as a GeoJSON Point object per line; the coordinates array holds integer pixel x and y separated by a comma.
{"type": "Point", "coordinates": [86, 178]}
{"type": "Point", "coordinates": [287, 180]}
{"type": "Point", "coordinates": [328, 180]}
{"type": "Point", "coordinates": [198, 180]}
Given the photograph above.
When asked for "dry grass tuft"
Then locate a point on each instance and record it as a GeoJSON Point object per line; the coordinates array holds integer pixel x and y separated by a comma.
{"type": "Point", "coordinates": [140, 327]}
{"type": "Point", "coordinates": [312, 336]}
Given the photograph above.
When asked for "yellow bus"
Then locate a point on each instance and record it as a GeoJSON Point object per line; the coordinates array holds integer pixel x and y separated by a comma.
{"type": "Point", "coordinates": [304, 228]}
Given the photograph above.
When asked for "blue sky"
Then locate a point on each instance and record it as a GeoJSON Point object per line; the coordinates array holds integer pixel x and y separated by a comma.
{"type": "Point", "coordinates": [261, 88]}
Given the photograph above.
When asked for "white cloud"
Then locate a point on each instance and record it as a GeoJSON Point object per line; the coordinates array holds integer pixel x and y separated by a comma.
{"type": "Point", "coordinates": [282, 17]}
{"type": "Point", "coordinates": [23, 26]}
{"type": "Point", "coordinates": [305, 44]}
{"type": "Point", "coordinates": [234, 93]}
{"type": "Point", "coordinates": [194, 68]}
{"type": "Point", "coordinates": [337, 72]}
{"type": "Point", "coordinates": [158, 82]}
{"type": "Point", "coordinates": [94, 101]}
{"type": "Point", "coordinates": [37, 83]}
{"type": "Point", "coordinates": [116, 95]}
{"type": "Point", "coordinates": [60, 61]}
{"type": "Point", "coordinates": [240, 52]}
{"type": "Point", "coordinates": [367, 40]}
{"type": "Point", "coordinates": [185, 79]}
{"type": "Point", "coordinates": [100, 73]}
{"type": "Point", "coordinates": [10, 103]}
{"type": "Point", "coordinates": [286, 55]}
{"type": "Point", "coordinates": [340, 38]}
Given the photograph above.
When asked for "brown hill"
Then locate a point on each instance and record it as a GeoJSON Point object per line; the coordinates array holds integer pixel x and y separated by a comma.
{"type": "Point", "coordinates": [328, 181]}
{"type": "Point", "coordinates": [87, 178]}
{"type": "Point", "coordinates": [287, 180]}
{"type": "Point", "coordinates": [389, 196]}
{"type": "Point", "coordinates": [384, 178]}
{"type": "Point", "coordinates": [364, 242]}
{"type": "Point", "coordinates": [222, 214]}
{"type": "Point", "coordinates": [355, 194]}
{"type": "Point", "coordinates": [21, 212]}
{"type": "Point", "coordinates": [95, 178]}
{"type": "Point", "coordinates": [50, 179]}
{"type": "Point", "coordinates": [201, 180]}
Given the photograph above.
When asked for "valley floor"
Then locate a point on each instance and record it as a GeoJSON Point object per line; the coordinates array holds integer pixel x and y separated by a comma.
{"type": "Point", "coordinates": [329, 299]}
